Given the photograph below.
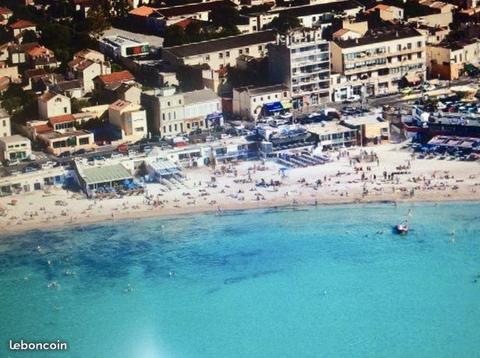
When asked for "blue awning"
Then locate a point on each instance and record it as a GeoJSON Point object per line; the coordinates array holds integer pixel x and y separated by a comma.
{"type": "Point", "coordinates": [214, 116]}
{"type": "Point", "coordinates": [273, 107]}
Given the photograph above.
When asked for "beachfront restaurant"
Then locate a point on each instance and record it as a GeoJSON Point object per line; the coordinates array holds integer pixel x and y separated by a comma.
{"type": "Point", "coordinates": [330, 135]}
{"type": "Point", "coordinates": [163, 168]}
{"type": "Point", "coordinates": [108, 179]}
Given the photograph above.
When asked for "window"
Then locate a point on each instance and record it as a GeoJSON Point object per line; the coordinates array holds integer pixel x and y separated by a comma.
{"type": "Point", "coordinates": [139, 129]}
{"type": "Point", "coordinates": [260, 48]}
{"type": "Point", "coordinates": [64, 109]}
{"type": "Point", "coordinates": [179, 101]}
{"type": "Point", "coordinates": [168, 103]}
{"type": "Point", "coordinates": [409, 46]}
{"type": "Point", "coordinates": [419, 43]}
{"type": "Point", "coordinates": [170, 128]}
{"type": "Point", "coordinates": [240, 51]}
{"type": "Point", "coordinates": [419, 55]}
{"type": "Point", "coordinates": [220, 55]}
{"type": "Point", "coordinates": [4, 123]}
{"type": "Point", "coordinates": [227, 54]}
{"type": "Point", "coordinates": [175, 126]}
{"type": "Point", "coordinates": [83, 141]}
{"type": "Point", "coordinates": [247, 50]}
{"type": "Point", "coordinates": [399, 47]}
{"type": "Point", "coordinates": [207, 58]}
{"type": "Point", "coordinates": [163, 116]}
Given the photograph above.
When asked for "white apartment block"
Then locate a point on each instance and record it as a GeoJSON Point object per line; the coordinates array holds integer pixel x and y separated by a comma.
{"type": "Point", "coordinates": [375, 63]}
{"type": "Point", "coordinates": [220, 52]}
{"type": "Point", "coordinates": [301, 60]}
{"type": "Point", "coordinates": [170, 114]}
{"type": "Point", "coordinates": [316, 15]}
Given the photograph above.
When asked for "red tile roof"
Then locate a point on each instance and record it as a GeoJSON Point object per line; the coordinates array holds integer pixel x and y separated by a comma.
{"type": "Point", "coordinates": [43, 128]}
{"type": "Point", "coordinates": [185, 22]}
{"type": "Point", "coordinates": [22, 24]}
{"type": "Point", "coordinates": [116, 77]}
{"type": "Point", "coordinates": [62, 119]}
{"type": "Point", "coordinates": [5, 11]}
{"type": "Point", "coordinates": [143, 11]}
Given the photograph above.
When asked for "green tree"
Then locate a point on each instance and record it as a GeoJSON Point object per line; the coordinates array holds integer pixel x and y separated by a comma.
{"type": "Point", "coordinates": [175, 35]}
{"type": "Point", "coordinates": [97, 21]}
{"type": "Point", "coordinates": [283, 23]}
{"type": "Point", "coordinates": [194, 32]}
{"type": "Point", "coordinates": [29, 36]}
{"type": "Point", "coordinates": [121, 7]}
{"type": "Point", "coordinates": [225, 16]}
{"type": "Point", "coordinates": [190, 78]}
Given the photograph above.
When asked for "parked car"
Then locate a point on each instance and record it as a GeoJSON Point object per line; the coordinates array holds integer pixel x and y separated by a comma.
{"type": "Point", "coordinates": [79, 152]}
{"type": "Point", "coordinates": [353, 98]}
{"type": "Point", "coordinates": [65, 154]}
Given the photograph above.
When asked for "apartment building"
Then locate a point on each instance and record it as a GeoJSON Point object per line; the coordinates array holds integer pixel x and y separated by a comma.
{"type": "Point", "coordinates": [376, 63]}
{"type": "Point", "coordinates": [447, 60]}
{"type": "Point", "coordinates": [170, 114]}
{"type": "Point", "coordinates": [300, 59]}
{"type": "Point", "coordinates": [129, 118]}
{"type": "Point", "coordinates": [221, 52]}
{"type": "Point", "coordinates": [318, 15]}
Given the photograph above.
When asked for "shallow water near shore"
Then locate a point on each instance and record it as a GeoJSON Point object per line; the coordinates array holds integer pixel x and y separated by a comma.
{"type": "Point", "coordinates": [330, 281]}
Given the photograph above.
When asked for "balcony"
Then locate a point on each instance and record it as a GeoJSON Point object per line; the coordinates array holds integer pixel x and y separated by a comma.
{"type": "Point", "coordinates": [383, 55]}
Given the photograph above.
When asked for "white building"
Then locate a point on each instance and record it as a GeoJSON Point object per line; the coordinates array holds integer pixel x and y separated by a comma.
{"type": "Point", "coordinates": [130, 118]}
{"type": "Point", "coordinates": [5, 125]}
{"type": "Point", "coordinates": [52, 104]}
{"type": "Point", "coordinates": [171, 113]}
{"type": "Point", "coordinates": [249, 102]}
{"type": "Point", "coordinates": [15, 147]}
{"type": "Point", "coordinates": [120, 46]}
{"type": "Point", "coordinates": [86, 65]}
{"type": "Point", "coordinates": [375, 63]}
{"type": "Point", "coordinates": [301, 60]}
{"type": "Point", "coordinates": [221, 52]}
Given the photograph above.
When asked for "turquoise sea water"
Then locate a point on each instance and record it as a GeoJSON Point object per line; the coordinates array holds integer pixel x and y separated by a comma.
{"type": "Point", "coordinates": [321, 282]}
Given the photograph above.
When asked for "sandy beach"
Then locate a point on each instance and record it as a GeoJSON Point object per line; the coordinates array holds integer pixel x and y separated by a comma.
{"type": "Point", "coordinates": [385, 173]}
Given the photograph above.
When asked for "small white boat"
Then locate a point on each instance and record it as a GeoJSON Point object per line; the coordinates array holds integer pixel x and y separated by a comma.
{"type": "Point", "coordinates": [401, 229]}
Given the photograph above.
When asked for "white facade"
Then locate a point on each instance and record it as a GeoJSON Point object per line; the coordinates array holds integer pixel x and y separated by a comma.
{"type": "Point", "coordinates": [52, 105]}
{"type": "Point", "coordinates": [376, 63]}
{"type": "Point", "coordinates": [5, 125]}
{"type": "Point", "coordinates": [301, 60]}
{"type": "Point", "coordinates": [173, 113]}
{"type": "Point", "coordinates": [249, 101]}
{"type": "Point", "coordinates": [15, 147]}
{"type": "Point", "coordinates": [119, 46]}
{"type": "Point", "coordinates": [130, 118]}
